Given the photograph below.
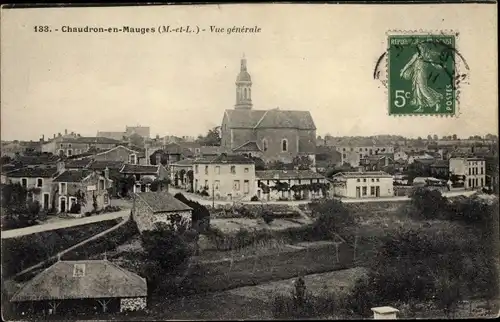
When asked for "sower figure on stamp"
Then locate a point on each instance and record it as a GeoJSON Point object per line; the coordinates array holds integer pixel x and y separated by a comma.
{"type": "Point", "coordinates": [416, 70]}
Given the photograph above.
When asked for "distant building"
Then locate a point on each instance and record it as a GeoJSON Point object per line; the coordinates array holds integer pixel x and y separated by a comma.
{"type": "Point", "coordinates": [271, 134]}
{"type": "Point", "coordinates": [353, 154]}
{"type": "Point", "coordinates": [290, 185]}
{"type": "Point", "coordinates": [82, 286]}
{"type": "Point", "coordinates": [363, 184]}
{"type": "Point", "coordinates": [73, 144]}
{"type": "Point", "coordinates": [179, 173]}
{"type": "Point", "coordinates": [144, 175]}
{"type": "Point", "coordinates": [142, 131]}
{"type": "Point", "coordinates": [440, 169]}
{"type": "Point", "coordinates": [472, 169]}
{"type": "Point", "coordinates": [154, 207]}
{"type": "Point", "coordinates": [225, 177]}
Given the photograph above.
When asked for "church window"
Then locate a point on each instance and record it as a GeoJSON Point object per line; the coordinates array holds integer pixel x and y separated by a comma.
{"type": "Point", "coordinates": [245, 93]}
{"type": "Point", "coordinates": [284, 145]}
{"type": "Point", "coordinates": [264, 145]}
{"type": "Point", "coordinates": [249, 93]}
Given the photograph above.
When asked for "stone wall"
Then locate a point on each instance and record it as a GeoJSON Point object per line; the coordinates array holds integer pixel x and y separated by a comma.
{"type": "Point", "coordinates": [133, 304]}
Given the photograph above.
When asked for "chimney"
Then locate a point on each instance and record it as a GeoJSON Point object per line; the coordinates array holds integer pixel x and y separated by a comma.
{"type": "Point", "coordinates": [384, 313]}
{"type": "Point", "coordinates": [65, 131]}
{"type": "Point", "coordinates": [60, 167]}
{"type": "Point", "coordinates": [59, 134]}
{"type": "Point", "coordinates": [54, 136]}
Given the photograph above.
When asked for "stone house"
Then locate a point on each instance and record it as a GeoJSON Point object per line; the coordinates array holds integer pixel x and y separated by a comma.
{"type": "Point", "coordinates": [38, 181]}
{"type": "Point", "coordinates": [352, 154]}
{"type": "Point", "coordinates": [275, 134]}
{"type": "Point", "coordinates": [144, 175]}
{"type": "Point", "coordinates": [370, 184]}
{"type": "Point", "coordinates": [73, 144]}
{"type": "Point", "coordinates": [440, 169]}
{"type": "Point", "coordinates": [153, 207]}
{"type": "Point", "coordinates": [378, 162]}
{"type": "Point", "coordinates": [290, 184]}
{"type": "Point", "coordinates": [472, 169]}
{"type": "Point", "coordinates": [85, 187]}
{"type": "Point", "coordinates": [227, 177]}
{"type": "Point", "coordinates": [85, 286]}
{"type": "Point", "coordinates": [119, 153]}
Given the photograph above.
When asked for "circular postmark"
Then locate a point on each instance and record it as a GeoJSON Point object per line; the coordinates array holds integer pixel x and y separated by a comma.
{"type": "Point", "coordinates": [422, 72]}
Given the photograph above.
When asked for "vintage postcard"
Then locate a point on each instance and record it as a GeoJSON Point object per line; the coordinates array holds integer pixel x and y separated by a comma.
{"type": "Point", "coordinates": [250, 162]}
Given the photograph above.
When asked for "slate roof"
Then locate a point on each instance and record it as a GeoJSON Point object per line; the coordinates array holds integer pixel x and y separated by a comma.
{"type": "Point", "coordinates": [250, 146]}
{"type": "Point", "coordinates": [185, 162]}
{"type": "Point", "coordinates": [250, 119]}
{"type": "Point", "coordinates": [33, 160]}
{"type": "Point", "coordinates": [101, 165]}
{"type": "Point", "coordinates": [140, 169]}
{"type": "Point", "coordinates": [210, 150]}
{"type": "Point", "coordinates": [77, 164]}
{"type": "Point", "coordinates": [102, 279]}
{"type": "Point", "coordinates": [162, 202]}
{"type": "Point", "coordinates": [441, 164]}
{"type": "Point", "coordinates": [72, 175]}
{"type": "Point", "coordinates": [226, 159]}
{"type": "Point", "coordinates": [30, 172]}
{"type": "Point", "coordinates": [91, 140]}
{"type": "Point", "coordinates": [287, 174]}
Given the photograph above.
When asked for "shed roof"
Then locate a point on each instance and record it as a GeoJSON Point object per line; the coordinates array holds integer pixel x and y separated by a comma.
{"type": "Point", "coordinates": [162, 202]}
{"type": "Point", "coordinates": [101, 279]}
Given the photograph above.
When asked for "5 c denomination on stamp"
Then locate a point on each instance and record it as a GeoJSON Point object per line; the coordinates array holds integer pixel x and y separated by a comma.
{"type": "Point", "coordinates": [421, 74]}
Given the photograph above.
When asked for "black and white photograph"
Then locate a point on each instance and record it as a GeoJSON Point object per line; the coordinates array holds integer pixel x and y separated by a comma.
{"type": "Point", "coordinates": [249, 162]}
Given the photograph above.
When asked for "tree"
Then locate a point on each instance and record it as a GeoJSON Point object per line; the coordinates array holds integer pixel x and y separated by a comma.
{"type": "Point", "coordinates": [429, 137]}
{"type": "Point", "coordinates": [332, 217]}
{"type": "Point", "coordinates": [279, 165]}
{"type": "Point", "coordinates": [136, 140]}
{"type": "Point", "coordinates": [429, 204]}
{"type": "Point", "coordinates": [200, 215]}
{"type": "Point", "coordinates": [454, 137]}
{"type": "Point", "coordinates": [435, 137]}
{"type": "Point", "coordinates": [190, 176]}
{"type": "Point", "coordinates": [212, 138]}
{"type": "Point", "coordinates": [302, 162]}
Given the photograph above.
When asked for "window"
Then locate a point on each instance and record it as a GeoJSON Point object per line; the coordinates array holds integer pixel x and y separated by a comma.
{"type": "Point", "coordinates": [378, 180]}
{"type": "Point", "coordinates": [482, 171]}
{"type": "Point", "coordinates": [69, 145]}
{"type": "Point", "coordinates": [264, 145]}
{"type": "Point", "coordinates": [217, 170]}
{"type": "Point", "coordinates": [62, 188]}
{"type": "Point", "coordinates": [246, 186]}
{"type": "Point", "coordinates": [206, 169]}
{"type": "Point", "coordinates": [79, 270]}
{"type": "Point", "coordinates": [196, 169]}
{"type": "Point", "coordinates": [101, 184]}
{"type": "Point", "coordinates": [39, 182]}
{"type": "Point", "coordinates": [197, 150]}
{"type": "Point", "coordinates": [61, 145]}
{"type": "Point", "coordinates": [360, 156]}
{"type": "Point", "coordinates": [482, 182]}
{"type": "Point", "coordinates": [246, 170]}
{"type": "Point", "coordinates": [70, 152]}
{"type": "Point", "coordinates": [343, 149]}
{"type": "Point", "coordinates": [233, 169]}
{"type": "Point", "coordinates": [373, 180]}
{"type": "Point", "coordinates": [236, 185]}
{"type": "Point", "coordinates": [358, 180]}
{"type": "Point", "coordinates": [364, 180]}
{"type": "Point", "coordinates": [300, 181]}
{"type": "Point", "coordinates": [344, 156]}
{"type": "Point", "coordinates": [364, 191]}
{"type": "Point", "coordinates": [72, 201]}
{"type": "Point", "coordinates": [372, 191]}
{"type": "Point", "coordinates": [216, 184]}
{"type": "Point", "coordinates": [284, 145]}
{"type": "Point", "coordinates": [206, 184]}
{"type": "Point", "coordinates": [106, 199]}
{"type": "Point", "coordinates": [132, 159]}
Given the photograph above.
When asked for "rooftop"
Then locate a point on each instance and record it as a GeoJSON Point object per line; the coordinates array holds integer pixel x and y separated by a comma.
{"type": "Point", "coordinates": [226, 159]}
{"type": "Point", "coordinates": [72, 175]}
{"type": "Point", "coordinates": [82, 279]}
{"type": "Point", "coordinates": [140, 169]}
{"type": "Point", "coordinates": [162, 202]}
{"type": "Point", "coordinates": [366, 174]}
{"type": "Point", "coordinates": [30, 172]}
{"type": "Point", "coordinates": [287, 174]}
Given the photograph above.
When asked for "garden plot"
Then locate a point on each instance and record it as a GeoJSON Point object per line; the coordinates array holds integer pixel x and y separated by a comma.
{"type": "Point", "coordinates": [234, 224]}
{"type": "Point", "coordinates": [337, 282]}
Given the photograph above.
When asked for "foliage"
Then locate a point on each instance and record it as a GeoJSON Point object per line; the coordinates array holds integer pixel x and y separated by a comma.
{"type": "Point", "coordinates": [159, 184]}
{"type": "Point", "coordinates": [278, 165]}
{"type": "Point", "coordinates": [268, 217]}
{"type": "Point", "coordinates": [124, 185]}
{"type": "Point", "coordinates": [254, 198]}
{"type": "Point", "coordinates": [200, 214]}
{"type": "Point", "coordinates": [332, 216]}
{"type": "Point", "coordinates": [190, 176]}
{"type": "Point", "coordinates": [302, 162]}
{"type": "Point", "coordinates": [428, 204]}
{"type": "Point", "coordinates": [212, 138]}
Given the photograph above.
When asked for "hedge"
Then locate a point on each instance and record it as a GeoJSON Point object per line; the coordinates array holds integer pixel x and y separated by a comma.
{"type": "Point", "coordinates": [22, 252]}
{"type": "Point", "coordinates": [104, 243]}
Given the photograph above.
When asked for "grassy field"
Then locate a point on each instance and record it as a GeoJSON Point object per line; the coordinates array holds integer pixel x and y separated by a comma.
{"type": "Point", "coordinates": [231, 225]}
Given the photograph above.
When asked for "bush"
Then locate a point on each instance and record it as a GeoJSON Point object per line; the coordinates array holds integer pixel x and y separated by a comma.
{"type": "Point", "coordinates": [254, 198]}
{"type": "Point", "coordinates": [75, 208]}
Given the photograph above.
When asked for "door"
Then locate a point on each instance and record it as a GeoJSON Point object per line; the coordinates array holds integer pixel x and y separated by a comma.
{"type": "Point", "coordinates": [46, 200]}
{"type": "Point", "coordinates": [358, 192]}
{"type": "Point", "coordinates": [62, 205]}
{"type": "Point", "coordinates": [377, 191]}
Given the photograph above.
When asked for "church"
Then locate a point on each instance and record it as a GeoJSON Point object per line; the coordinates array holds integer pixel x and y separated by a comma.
{"type": "Point", "coordinates": [273, 135]}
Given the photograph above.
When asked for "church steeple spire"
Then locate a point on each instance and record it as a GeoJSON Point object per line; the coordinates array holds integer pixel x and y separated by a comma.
{"type": "Point", "coordinates": [243, 87]}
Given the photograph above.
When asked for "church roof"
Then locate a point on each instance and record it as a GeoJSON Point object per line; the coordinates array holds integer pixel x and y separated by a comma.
{"type": "Point", "coordinates": [244, 76]}
{"type": "Point", "coordinates": [253, 119]}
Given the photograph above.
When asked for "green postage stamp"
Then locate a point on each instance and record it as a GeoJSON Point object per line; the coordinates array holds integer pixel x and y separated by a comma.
{"type": "Point", "coordinates": [422, 74]}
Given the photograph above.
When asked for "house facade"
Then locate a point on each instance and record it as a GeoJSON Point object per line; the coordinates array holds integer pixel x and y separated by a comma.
{"type": "Point", "coordinates": [273, 135]}
{"type": "Point", "coordinates": [154, 207]}
{"type": "Point", "coordinates": [370, 184]}
{"type": "Point", "coordinates": [37, 181]}
{"type": "Point", "coordinates": [472, 169]}
{"type": "Point", "coordinates": [377, 162]}
{"type": "Point", "coordinates": [353, 154]}
{"type": "Point", "coordinates": [226, 177]}
{"type": "Point", "coordinates": [179, 173]}
{"type": "Point", "coordinates": [74, 144]}
{"type": "Point", "coordinates": [83, 189]}
{"type": "Point", "coordinates": [290, 185]}
{"type": "Point", "coordinates": [119, 153]}
{"type": "Point", "coordinates": [144, 175]}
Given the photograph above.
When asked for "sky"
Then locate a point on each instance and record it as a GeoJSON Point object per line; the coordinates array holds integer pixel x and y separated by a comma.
{"type": "Point", "coordinates": [318, 58]}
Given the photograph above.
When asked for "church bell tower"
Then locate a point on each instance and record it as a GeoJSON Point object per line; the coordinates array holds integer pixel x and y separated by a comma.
{"type": "Point", "coordinates": [243, 88]}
